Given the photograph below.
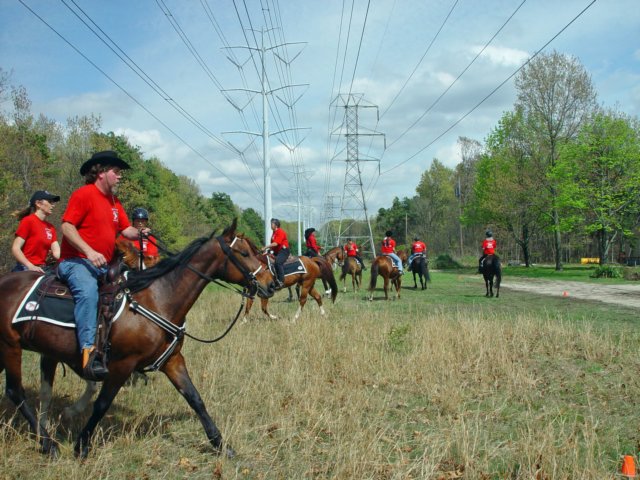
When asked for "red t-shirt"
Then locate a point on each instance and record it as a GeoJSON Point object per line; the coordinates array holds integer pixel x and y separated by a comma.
{"type": "Point", "coordinates": [148, 249]}
{"type": "Point", "coordinates": [312, 244]}
{"type": "Point", "coordinates": [38, 236]}
{"type": "Point", "coordinates": [388, 245]}
{"type": "Point", "coordinates": [98, 218]}
{"type": "Point", "coordinates": [352, 250]}
{"type": "Point", "coordinates": [489, 246]}
{"type": "Point", "coordinates": [418, 247]}
{"type": "Point", "coordinates": [280, 237]}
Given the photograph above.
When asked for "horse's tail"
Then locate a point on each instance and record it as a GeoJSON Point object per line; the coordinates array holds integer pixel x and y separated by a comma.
{"type": "Point", "coordinates": [374, 276]}
{"type": "Point", "coordinates": [497, 268]}
{"type": "Point", "coordinates": [425, 269]}
{"type": "Point", "coordinates": [326, 273]}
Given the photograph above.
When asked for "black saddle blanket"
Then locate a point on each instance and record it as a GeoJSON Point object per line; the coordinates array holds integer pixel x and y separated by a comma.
{"type": "Point", "coordinates": [52, 309]}
{"type": "Point", "coordinates": [293, 266]}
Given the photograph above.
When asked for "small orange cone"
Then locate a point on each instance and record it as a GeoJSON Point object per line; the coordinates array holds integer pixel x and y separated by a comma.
{"type": "Point", "coordinates": [565, 294]}
{"type": "Point", "coordinates": [628, 467]}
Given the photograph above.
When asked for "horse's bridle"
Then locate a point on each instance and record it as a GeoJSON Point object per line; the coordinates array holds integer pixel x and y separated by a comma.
{"type": "Point", "coordinates": [249, 276]}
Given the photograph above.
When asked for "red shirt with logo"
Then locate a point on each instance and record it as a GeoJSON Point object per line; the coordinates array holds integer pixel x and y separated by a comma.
{"type": "Point", "coordinates": [418, 247]}
{"type": "Point", "coordinates": [352, 250]}
{"type": "Point", "coordinates": [489, 246]}
{"type": "Point", "coordinates": [97, 217]}
{"type": "Point", "coordinates": [38, 236]}
{"type": "Point", "coordinates": [280, 237]}
{"type": "Point", "coordinates": [312, 244]}
{"type": "Point", "coordinates": [388, 245]}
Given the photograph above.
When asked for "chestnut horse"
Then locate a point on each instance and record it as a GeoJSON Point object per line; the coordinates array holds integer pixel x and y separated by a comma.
{"type": "Point", "coordinates": [149, 332]}
{"type": "Point", "coordinates": [335, 256]}
{"type": "Point", "coordinates": [351, 267]}
{"type": "Point", "coordinates": [316, 267]}
{"type": "Point", "coordinates": [131, 258]}
{"type": "Point", "coordinates": [383, 266]}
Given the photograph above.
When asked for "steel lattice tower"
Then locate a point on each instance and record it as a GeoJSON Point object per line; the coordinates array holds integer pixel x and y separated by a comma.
{"type": "Point", "coordinates": [353, 207]}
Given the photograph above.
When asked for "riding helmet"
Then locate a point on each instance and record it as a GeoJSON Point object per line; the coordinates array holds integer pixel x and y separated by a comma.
{"type": "Point", "coordinates": [388, 233]}
{"type": "Point", "coordinates": [140, 213]}
{"type": "Point", "coordinates": [489, 233]}
{"type": "Point", "coordinates": [416, 238]}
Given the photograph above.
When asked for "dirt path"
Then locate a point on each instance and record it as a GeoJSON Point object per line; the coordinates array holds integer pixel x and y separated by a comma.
{"type": "Point", "coordinates": [627, 295]}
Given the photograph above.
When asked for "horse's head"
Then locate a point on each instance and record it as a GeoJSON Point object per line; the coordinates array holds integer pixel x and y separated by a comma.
{"type": "Point", "coordinates": [243, 255]}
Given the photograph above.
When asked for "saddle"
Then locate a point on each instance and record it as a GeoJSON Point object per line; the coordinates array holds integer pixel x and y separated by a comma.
{"type": "Point", "coordinates": [52, 302]}
{"type": "Point", "coordinates": [292, 265]}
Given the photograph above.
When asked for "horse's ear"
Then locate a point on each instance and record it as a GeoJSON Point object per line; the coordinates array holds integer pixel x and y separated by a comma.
{"type": "Point", "coordinates": [231, 230]}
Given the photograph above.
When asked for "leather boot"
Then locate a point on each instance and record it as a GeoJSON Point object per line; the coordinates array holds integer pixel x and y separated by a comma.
{"type": "Point", "coordinates": [92, 367]}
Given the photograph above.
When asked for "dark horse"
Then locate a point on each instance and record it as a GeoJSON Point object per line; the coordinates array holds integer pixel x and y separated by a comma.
{"type": "Point", "coordinates": [420, 265]}
{"type": "Point", "coordinates": [166, 292]}
{"type": "Point", "coordinates": [383, 266]}
{"type": "Point", "coordinates": [351, 267]}
{"type": "Point", "coordinates": [491, 268]}
{"type": "Point", "coordinates": [316, 267]}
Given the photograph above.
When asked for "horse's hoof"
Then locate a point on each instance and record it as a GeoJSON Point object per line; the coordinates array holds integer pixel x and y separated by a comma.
{"type": "Point", "coordinates": [50, 448]}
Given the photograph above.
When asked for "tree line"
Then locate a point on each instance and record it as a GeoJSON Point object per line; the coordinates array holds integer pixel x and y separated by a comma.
{"type": "Point", "coordinates": [557, 179]}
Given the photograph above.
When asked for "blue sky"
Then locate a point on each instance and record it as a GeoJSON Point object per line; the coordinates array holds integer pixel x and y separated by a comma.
{"type": "Point", "coordinates": [397, 34]}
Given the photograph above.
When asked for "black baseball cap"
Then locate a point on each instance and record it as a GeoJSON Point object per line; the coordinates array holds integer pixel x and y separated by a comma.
{"type": "Point", "coordinates": [43, 195]}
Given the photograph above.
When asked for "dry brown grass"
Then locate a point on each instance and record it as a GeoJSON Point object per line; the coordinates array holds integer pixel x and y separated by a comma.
{"type": "Point", "coordinates": [436, 393]}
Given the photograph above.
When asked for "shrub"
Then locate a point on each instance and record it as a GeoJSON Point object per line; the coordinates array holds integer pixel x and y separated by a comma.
{"type": "Point", "coordinates": [444, 261]}
{"type": "Point", "coordinates": [631, 273]}
{"type": "Point", "coordinates": [606, 271]}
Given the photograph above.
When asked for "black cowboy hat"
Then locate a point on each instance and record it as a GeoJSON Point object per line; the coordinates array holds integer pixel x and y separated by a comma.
{"type": "Point", "coordinates": [43, 195]}
{"type": "Point", "coordinates": [308, 232]}
{"type": "Point", "coordinates": [104, 158]}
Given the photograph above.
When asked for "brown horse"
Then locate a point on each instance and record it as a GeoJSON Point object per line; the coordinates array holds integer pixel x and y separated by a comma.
{"type": "Point", "coordinates": [335, 256]}
{"type": "Point", "coordinates": [351, 267]}
{"type": "Point", "coordinates": [316, 267]}
{"type": "Point", "coordinates": [149, 332]}
{"type": "Point", "coordinates": [383, 265]}
{"type": "Point", "coordinates": [131, 258]}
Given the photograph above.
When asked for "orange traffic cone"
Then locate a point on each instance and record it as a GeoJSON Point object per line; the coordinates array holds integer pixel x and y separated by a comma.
{"type": "Point", "coordinates": [628, 467]}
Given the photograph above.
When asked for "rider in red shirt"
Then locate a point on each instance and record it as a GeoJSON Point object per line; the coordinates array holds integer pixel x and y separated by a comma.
{"type": "Point", "coordinates": [313, 249]}
{"type": "Point", "coordinates": [280, 246]}
{"type": "Point", "coordinates": [488, 248]}
{"type": "Point", "coordinates": [389, 249]}
{"type": "Point", "coordinates": [147, 244]}
{"type": "Point", "coordinates": [418, 247]}
{"type": "Point", "coordinates": [352, 250]}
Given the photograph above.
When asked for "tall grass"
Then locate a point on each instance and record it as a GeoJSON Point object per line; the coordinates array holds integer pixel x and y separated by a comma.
{"type": "Point", "coordinates": [438, 391]}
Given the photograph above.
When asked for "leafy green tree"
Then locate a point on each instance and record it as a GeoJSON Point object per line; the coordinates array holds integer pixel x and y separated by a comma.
{"type": "Point", "coordinates": [599, 178]}
{"type": "Point", "coordinates": [252, 225]}
{"type": "Point", "coordinates": [556, 96]}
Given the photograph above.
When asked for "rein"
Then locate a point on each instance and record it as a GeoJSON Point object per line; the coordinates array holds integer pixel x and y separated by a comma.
{"type": "Point", "coordinates": [179, 333]}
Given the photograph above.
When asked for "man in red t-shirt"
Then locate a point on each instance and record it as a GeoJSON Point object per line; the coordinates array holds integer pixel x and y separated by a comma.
{"type": "Point", "coordinates": [389, 249]}
{"type": "Point", "coordinates": [90, 225]}
{"type": "Point", "coordinates": [418, 247]}
{"type": "Point", "coordinates": [280, 247]}
{"type": "Point", "coordinates": [351, 250]}
{"type": "Point", "coordinates": [488, 248]}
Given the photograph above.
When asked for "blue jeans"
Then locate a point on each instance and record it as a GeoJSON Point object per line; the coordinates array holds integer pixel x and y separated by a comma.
{"type": "Point", "coordinates": [396, 260]}
{"type": "Point", "coordinates": [82, 277]}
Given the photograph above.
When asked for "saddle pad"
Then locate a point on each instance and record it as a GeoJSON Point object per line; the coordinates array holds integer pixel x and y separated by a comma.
{"type": "Point", "coordinates": [294, 268]}
{"type": "Point", "coordinates": [58, 311]}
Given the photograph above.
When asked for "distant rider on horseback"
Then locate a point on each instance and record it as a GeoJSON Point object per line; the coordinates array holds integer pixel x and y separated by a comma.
{"type": "Point", "coordinates": [313, 249]}
{"type": "Point", "coordinates": [418, 247]}
{"type": "Point", "coordinates": [280, 246]}
{"type": "Point", "coordinates": [389, 249]}
{"type": "Point", "coordinates": [351, 250]}
{"type": "Point", "coordinates": [488, 248]}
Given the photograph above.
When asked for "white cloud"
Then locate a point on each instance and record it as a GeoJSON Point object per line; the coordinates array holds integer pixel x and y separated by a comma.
{"type": "Point", "coordinates": [503, 56]}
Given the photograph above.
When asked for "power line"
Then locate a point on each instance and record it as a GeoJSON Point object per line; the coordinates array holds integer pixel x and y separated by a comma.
{"type": "Point", "coordinates": [132, 97]}
{"type": "Point", "coordinates": [493, 91]}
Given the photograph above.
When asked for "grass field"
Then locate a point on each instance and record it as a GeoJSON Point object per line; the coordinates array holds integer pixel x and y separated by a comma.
{"type": "Point", "coordinates": [441, 384]}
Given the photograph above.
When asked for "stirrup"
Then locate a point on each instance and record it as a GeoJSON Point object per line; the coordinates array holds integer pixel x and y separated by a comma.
{"type": "Point", "coordinates": [92, 367]}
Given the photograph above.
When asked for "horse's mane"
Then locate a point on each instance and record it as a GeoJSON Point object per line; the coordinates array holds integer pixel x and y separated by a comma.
{"type": "Point", "coordinates": [140, 279]}
{"type": "Point", "coordinates": [256, 251]}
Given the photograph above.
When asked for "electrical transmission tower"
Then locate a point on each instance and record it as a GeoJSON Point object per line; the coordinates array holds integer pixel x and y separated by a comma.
{"type": "Point", "coordinates": [353, 206]}
{"type": "Point", "coordinates": [329, 214]}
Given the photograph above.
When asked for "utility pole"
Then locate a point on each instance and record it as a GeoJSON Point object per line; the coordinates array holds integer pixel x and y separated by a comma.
{"type": "Point", "coordinates": [264, 92]}
{"type": "Point", "coordinates": [353, 205]}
